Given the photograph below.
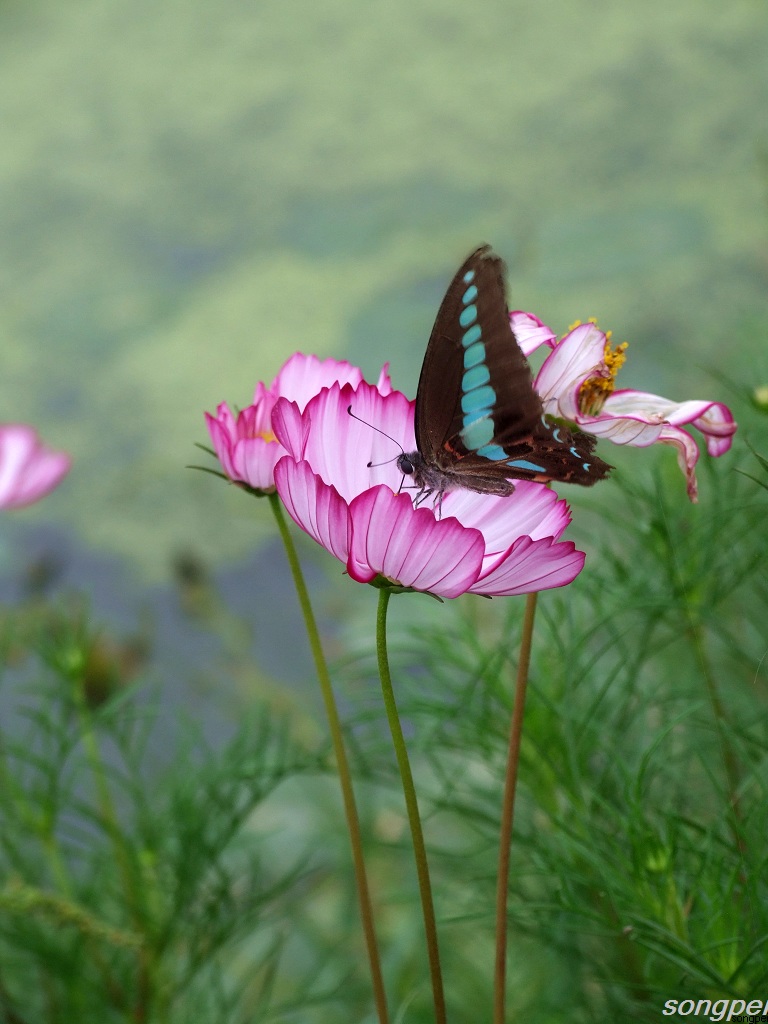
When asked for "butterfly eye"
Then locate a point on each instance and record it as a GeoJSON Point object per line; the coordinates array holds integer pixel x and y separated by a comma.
{"type": "Point", "coordinates": [405, 465]}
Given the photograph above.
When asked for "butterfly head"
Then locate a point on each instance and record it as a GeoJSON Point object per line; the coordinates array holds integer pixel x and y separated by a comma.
{"type": "Point", "coordinates": [409, 463]}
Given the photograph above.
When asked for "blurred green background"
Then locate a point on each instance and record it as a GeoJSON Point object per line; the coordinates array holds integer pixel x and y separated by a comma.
{"type": "Point", "coordinates": [189, 192]}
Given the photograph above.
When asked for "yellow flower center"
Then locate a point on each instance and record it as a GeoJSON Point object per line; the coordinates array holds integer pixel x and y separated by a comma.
{"type": "Point", "coordinates": [266, 435]}
{"type": "Point", "coordinates": [594, 391]}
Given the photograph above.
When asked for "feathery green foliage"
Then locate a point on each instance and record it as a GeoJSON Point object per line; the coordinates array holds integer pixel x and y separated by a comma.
{"type": "Point", "coordinates": [191, 883]}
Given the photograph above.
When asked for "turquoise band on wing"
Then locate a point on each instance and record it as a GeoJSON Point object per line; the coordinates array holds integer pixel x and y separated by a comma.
{"type": "Point", "coordinates": [477, 433]}
{"type": "Point", "coordinates": [478, 397]}
{"type": "Point", "coordinates": [524, 464]}
{"type": "Point", "coordinates": [473, 355]}
{"type": "Point", "coordinates": [494, 452]}
{"type": "Point", "coordinates": [471, 336]}
{"type": "Point", "coordinates": [468, 316]}
{"type": "Point", "coordinates": [475, 377]}
{"type": "Point", "coordinates": [478, 402]}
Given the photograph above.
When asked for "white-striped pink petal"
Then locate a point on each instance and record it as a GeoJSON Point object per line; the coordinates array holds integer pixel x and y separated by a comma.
{"type": "Point", "coordinates": [530, 332]}
{"type": "Point", "coordinates": [409, 546]}
{"type": "Point", "coordinates": [314, 505]}
{"type": "Point", "coordinates": [579, 356]}
{"type": "Point", "coordinates": [532, 565]}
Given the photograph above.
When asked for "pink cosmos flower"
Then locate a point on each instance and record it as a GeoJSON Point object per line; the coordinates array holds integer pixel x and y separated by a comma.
{"type": "Point", "coordinates": [483, 544]}
{"type": "Point", "coordinates": [576, 383]}
{"type": "Point", "coordinates": [28, 470]}
{"type": "Point", "coordinates": [245, 445]}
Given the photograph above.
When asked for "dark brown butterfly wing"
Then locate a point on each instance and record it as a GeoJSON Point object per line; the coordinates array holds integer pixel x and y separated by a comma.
{"type": "Point", "coordinates": [463, 351]}
{"type": "Point", "coordinates": [478, 417]}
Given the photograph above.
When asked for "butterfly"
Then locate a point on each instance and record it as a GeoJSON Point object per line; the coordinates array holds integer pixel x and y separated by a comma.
{"type": "Point", "coordinates": [479, 422]}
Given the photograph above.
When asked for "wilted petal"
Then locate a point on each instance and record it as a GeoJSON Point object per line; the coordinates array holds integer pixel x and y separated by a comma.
{"type": "Point", "coordinates": [713, 419]}
{"type": "Point", "coordinates": [687, 456]}
{"type": "Point", "coordinates": [579, 356]}
{"type": "Point", "coordinates": [315, 506]}
{"type": "Point", "coordinates": [633, 430]}
{"type": "Point", "coordinates": [530, 332]}
{"type": "Point", "coordinates": [409, 546]}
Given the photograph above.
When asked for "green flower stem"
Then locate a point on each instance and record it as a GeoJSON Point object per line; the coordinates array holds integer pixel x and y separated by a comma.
{"type": "Point", "coordinates": [146, 982]}
{"type": "Point", "coordinates": [508, 812]}
{"type": "Point", "coordinates": [40, 822]}
{"type": "Point", "coordinates": [342, 764]}
{"type": "Point", "coordinates": [412, 806]}
{"type": "Point", "coordinates": [722, 725]}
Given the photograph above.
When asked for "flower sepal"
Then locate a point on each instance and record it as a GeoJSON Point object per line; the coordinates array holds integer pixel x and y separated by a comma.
{"type": "Point", "coordinates": [385, 583]}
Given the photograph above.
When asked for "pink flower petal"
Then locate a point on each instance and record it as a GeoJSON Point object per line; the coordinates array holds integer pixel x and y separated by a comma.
{"type": "Point", "coordinates": [713, 419]}
{"type": "Point", "coordinates": [687, 456]}
{"type": "Point", "coordinates": [532, 565]}
{"type": "Point", "coordinates": [302, 376]}
{"type": "Point", "coordinates": [579, 356]}
{"type": "Point", "coordinates": [246, 445]}
{"type": "Point", "coordinates": [253, 461]}
{"type": "Point", "coordinates": [243, 445]}
{"type": "Point", "coordinates": [632, 430]}
{"type": "Point", "coordinates": [530, 332]}
{"type": "Point", "coordinates": [532, 509]}
{"type": "Point", "coordinates": [28, 469]}
{"type": "Point", "coordinates": [317, 508]}
{"type": "Point", "coordinates": [220, 429]}
{"type": "Point", "coordinates": [409, 546]}
{"type": "Point", "coordinates": [384, 383]}
{"type": "Point", "coordinates": [339, 446]}
{"type": "Point", "coordinates": [290, 428]}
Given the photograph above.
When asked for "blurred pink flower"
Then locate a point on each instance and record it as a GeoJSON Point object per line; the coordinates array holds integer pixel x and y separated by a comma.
{"type": "Point", "coordinates": [28, 470]}
{"type": "Point", "coordinates": [576, 383]}
{"type": "Point", "coordinates": [245, 445]}
{"type": "Point", "coordinates": [483, 544]}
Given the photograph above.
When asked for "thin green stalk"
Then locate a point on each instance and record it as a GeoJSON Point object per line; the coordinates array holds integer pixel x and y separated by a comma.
{"type": "Point", "coordinates": [342, 763]}
{"type": "Point", "coordinates": [508, 812]}
{"type": "Point", "coordinates": [146, 983]}
{"type": "Point", "coordinates": [722, 725]}
{"type": "Point", "coordinates": [40, 822]}
{"type": "Point", "coordinates": [106, 808]}
{"type": "Point", "coordinates": [412, 806]}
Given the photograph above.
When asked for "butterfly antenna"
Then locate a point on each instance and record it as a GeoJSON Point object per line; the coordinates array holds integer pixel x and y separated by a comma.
{"type": "Point", "coordinates": [378, 430]}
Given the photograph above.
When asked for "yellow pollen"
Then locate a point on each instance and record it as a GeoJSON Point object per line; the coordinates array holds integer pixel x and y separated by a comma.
{"type": "Point", "coordinates": [266, 435]}
{"type": "Point", "coordinates": [595, 390]}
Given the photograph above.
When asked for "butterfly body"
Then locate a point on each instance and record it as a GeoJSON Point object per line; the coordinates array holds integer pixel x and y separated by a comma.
{"type": "Point", "coordinates": [479, 421]}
